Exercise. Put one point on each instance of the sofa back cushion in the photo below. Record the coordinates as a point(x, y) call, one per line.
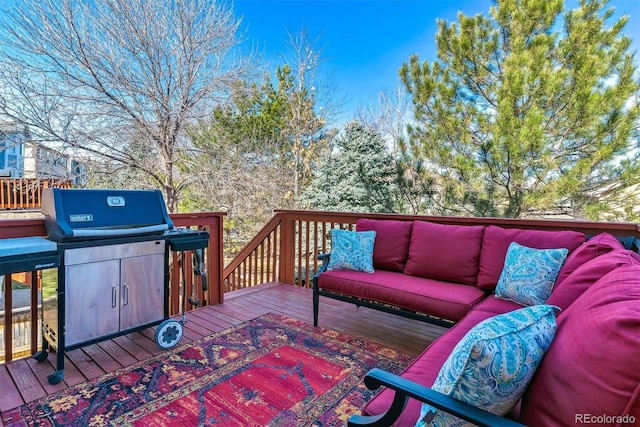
point(592, 248)
point(565, 293)
point(496, 241)
point(593, 365)
point(445, 252)
point(391, 247)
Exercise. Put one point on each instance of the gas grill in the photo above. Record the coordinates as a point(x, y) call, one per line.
point(113, 277)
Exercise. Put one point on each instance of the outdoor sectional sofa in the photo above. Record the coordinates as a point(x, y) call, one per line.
point(448, 274)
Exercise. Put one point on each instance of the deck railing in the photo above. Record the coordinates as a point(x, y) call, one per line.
point(26, 193)
point(287, 248)
point(18, 337)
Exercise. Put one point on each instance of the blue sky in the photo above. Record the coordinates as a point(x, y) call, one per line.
point(366, 41)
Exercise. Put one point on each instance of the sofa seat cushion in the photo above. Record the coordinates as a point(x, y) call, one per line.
point(594, 247)
point(589, 273)
point(450, 253)
point(391, 247)
point(593, 366)
point(497, 305)
point(425, 368)
point(440, 299)
point(496, 241)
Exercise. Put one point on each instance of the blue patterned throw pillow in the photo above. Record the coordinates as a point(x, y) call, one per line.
point(351, 250)
point(529, 274)
point(493, 363)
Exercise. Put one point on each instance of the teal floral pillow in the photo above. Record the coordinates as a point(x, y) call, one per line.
point(494, 363)
point(351, 250)
point(529, 274)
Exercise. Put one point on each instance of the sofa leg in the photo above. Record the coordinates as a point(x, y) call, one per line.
point(316, 303)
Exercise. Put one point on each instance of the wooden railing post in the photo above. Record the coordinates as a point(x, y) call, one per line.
point(212, 223)
point(287, 249)
point(216, 259)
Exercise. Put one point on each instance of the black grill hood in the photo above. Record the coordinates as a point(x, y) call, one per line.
point(82, 214)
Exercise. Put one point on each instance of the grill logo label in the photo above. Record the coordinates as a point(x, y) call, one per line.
point(81, 218)
point(43, 266)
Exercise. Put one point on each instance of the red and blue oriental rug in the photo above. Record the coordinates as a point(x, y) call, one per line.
point(268, 371)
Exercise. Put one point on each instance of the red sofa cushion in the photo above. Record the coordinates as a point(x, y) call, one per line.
point(496, 240)
point(497, 305)
point(445, 252)
point(391, 247)
point(425, 368)
point(593, 365)
point(565, 293)
point(592, 248)
point(441, 299)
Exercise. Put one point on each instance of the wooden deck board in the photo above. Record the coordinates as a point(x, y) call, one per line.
point(132, 348)
point(9, 394)
point(118, 353)
point(26, 380)
point(87, 366)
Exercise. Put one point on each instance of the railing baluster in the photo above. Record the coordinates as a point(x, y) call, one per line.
point(298, 264)
point(249, 270)
point(254, 270)
point(264, 266)
point(307, 254)
point(276, 253)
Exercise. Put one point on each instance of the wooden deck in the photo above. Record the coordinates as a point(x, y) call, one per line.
point(26, 380)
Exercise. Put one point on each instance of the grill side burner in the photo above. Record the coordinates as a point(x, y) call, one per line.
point(27, 254)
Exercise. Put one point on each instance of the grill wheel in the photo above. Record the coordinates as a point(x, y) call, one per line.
point(168, 333)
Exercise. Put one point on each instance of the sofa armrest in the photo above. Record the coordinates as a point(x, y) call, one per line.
point(404, 389)
point(325, 262)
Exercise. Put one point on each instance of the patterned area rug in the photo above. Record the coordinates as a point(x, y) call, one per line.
point(268, 371)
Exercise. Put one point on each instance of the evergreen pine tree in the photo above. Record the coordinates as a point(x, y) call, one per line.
point(526, 109)
point(359, 175)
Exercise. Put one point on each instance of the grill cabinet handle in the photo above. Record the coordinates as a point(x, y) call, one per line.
point(125, 296)
point(114, 296)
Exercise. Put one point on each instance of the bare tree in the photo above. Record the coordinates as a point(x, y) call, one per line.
point(311, 105)
point(389, 117)
point(117, 78)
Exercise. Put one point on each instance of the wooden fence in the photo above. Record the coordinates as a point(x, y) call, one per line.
point(285, 250)
point(26, 193)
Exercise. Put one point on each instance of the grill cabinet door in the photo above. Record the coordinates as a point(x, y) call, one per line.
point(142, 290)
point(112, 288)
point(91, 300)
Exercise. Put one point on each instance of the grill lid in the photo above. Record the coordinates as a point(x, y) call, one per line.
point(81, 214)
